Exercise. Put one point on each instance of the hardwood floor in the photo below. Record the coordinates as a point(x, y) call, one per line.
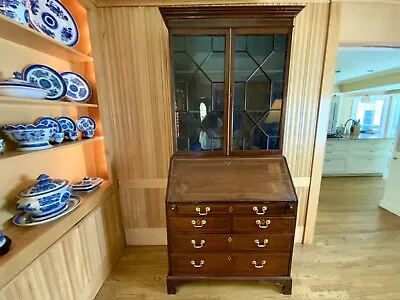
point(356, 255)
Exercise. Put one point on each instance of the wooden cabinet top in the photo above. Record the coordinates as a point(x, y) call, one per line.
point(233, 179)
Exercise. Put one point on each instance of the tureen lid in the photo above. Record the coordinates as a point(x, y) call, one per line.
point(44, 185)
point(18, 81)
point(88, 182)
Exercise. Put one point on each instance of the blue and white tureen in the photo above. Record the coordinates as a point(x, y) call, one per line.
point(46, 198)
point(16, 87)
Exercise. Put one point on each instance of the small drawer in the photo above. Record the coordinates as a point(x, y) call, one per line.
point(263, 224)
point(200, 210)
point(246, 264)
point(201, 264)
point(199, 242)
point(257, 242)
point(199, 224)
point(259, 209)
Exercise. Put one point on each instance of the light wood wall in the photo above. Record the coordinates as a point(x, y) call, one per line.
point(76, 265)
point(135, 43)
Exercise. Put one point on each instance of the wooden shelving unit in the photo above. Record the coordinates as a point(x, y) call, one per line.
point(4, 100)
point(25, 36)
point(63, 145)
point(30, 242)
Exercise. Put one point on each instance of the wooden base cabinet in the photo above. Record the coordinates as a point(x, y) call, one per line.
point(77, 264)
point(225, 223)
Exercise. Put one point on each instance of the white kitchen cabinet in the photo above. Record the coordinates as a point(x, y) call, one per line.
point(357, 157)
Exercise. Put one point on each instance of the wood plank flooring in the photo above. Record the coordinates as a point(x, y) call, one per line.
point(356, 255)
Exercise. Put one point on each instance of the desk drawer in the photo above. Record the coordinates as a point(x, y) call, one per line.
point(262, 242)
point(263, 224)
point(201, 264)
point(211, 209)
point(246, 264)
point(200, 224)
point(192, 242)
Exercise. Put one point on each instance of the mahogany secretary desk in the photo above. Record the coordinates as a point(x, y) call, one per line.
point(231, 205)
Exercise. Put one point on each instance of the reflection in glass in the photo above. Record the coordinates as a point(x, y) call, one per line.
point(259, 66)
point(199, 76)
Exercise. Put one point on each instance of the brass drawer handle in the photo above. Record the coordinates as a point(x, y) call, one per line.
point(261, 245)
point(264, 210)
point(199, 265)
point(263, 224)
point(198, 223)
point(202, 242)
point(259, 266)
point(198, 209)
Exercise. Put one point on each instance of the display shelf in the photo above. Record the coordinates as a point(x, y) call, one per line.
point(25, 36)
point(29, 242)
point(41, 102)
point(66, 144)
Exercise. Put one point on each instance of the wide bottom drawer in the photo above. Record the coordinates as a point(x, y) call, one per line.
point(230, 264)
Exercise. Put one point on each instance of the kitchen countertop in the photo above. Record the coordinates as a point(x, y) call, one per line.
point(362, 136)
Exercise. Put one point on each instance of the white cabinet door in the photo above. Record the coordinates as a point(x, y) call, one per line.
point(334, 166)
point(360, 165)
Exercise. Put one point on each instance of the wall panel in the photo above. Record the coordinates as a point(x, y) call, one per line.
point(135, 45)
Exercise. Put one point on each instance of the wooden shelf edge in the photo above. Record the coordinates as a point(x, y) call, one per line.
point(23, 35)
point(14, 154)
point(30, 242)
point(41, 102)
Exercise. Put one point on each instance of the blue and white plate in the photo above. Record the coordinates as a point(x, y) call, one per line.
point(53, 19)
point(46, 78)
point(16, 10)
point(67, 124)
point(49, 121)
point(27, 220)
point(78, 88)
point(85, 123)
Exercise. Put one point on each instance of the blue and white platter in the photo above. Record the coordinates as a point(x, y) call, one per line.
point(53, 19)
point(78, 88)
point(49, 121)
point(16, 10)
point(46, 78)
point(26, 219)
point(85, 123)
point(67, 124)
point(87, 184)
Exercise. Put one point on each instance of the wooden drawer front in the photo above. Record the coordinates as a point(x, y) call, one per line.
point(199, 210)
point(201, 264)
point(226, 209)
point(263, 224)
point(281, 242)
point(198, 224)
point(199, 242)
point(246, 264)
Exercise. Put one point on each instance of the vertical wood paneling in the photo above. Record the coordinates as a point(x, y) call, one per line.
point(75, 266)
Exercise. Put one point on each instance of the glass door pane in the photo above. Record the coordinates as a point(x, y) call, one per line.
point(199, 77)
point(258, 82)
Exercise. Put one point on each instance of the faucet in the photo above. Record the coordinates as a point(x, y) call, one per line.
point(345, 124)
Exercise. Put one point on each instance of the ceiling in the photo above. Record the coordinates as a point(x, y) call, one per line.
point(361, 62)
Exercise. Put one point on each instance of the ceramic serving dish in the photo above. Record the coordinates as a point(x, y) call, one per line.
point(2, 146)
point(46, 198)
point(29, 137)
point(58, 135)
point(87, 184)
point(52, 18)
point(68, 126)
point(5, 244)
point(16, 87)
point(78, 88)
point(16, 10)
point(27, 220)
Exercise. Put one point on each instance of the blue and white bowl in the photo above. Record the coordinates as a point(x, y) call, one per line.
point(2, 146)
point(88, 134)
point(29, 137)
point(16, 10)
point(57, 138)
point(46, 198)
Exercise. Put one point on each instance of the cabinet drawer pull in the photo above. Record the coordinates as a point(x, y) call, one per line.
point(259, 266)
point(202, 242)
point(261, 245)
point(264, 209)
point(199, 265)
point(263, 224)
point(198, 223)
point(207, 210)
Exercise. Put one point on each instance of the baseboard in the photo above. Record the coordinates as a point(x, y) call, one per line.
point(390, 207)
point(158, 236)
point(146, 236)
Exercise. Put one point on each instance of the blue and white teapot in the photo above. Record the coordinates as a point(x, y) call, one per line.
point(46, 198)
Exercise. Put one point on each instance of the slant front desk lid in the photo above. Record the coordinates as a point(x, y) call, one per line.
point(237, 179)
